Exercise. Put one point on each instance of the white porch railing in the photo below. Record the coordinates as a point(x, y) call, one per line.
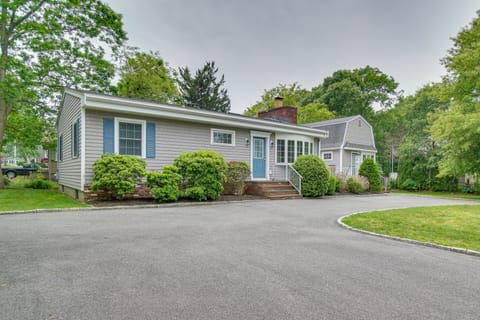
point(294, 178)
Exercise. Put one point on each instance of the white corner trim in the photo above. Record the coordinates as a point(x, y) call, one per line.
point(82, 147)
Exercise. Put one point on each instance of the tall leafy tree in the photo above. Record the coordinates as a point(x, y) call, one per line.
point(457, 128)
point(50, 44)
point(203, 90)
point(292, 95)
point(146, 76)
point(314, 112)
point(358, 91)
point(419, 153)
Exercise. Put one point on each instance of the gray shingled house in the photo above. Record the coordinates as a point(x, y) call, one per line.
point(350, 141)
point(90, 124)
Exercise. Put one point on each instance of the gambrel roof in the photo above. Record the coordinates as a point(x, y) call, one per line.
point(337, 134)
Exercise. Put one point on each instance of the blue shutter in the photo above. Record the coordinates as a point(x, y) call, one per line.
point(150, 140)
point(60, 147)
point(108, 135)
point(72, 136)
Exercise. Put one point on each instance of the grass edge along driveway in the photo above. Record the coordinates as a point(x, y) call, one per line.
point(455, 226)
point(30, 199)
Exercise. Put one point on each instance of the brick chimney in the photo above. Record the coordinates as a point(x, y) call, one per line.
point(281, 113)
point(278, 102)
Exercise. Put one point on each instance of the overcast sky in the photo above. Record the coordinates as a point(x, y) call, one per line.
point(258, 44)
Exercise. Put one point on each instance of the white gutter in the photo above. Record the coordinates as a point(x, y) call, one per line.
point(114, 104)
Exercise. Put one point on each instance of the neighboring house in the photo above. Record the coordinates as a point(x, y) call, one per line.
point(350, 141)
point(91, 124)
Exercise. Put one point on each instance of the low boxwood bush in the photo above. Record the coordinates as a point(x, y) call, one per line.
point(355, 185)
point(332, 185)
point(6, 181)
point(203, 174)
point(117, 173)
point(370, 170)
point(165, 186)
point(40, 184)
point(314, 174)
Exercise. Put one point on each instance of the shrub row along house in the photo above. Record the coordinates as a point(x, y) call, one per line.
point(91, 124)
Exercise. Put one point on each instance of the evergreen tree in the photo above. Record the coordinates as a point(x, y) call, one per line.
point(203, 90)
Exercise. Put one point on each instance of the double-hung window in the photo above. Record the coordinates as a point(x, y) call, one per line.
point(288, 150)
point(130, 138)
point(280, 151)
point(223, 137)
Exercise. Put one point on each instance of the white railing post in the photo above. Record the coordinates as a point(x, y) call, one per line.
point(294, 178)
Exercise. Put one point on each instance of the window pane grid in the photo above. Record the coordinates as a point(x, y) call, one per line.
point(291, 151)
point(280, 151)
point(299, 148)
point(130, 139)
point(222, 137)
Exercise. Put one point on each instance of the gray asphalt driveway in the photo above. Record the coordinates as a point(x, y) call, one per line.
point(250, 260)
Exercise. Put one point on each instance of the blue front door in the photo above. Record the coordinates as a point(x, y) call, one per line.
point(259, 157)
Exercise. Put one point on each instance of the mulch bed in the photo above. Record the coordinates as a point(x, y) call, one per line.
point(141, 202)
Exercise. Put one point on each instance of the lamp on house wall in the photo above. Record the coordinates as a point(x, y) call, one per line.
point(247, 141)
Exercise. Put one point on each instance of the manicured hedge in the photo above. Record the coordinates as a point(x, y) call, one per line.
point(314, 174)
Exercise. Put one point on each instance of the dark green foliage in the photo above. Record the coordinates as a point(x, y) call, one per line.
point(117, 173)
point(338, 183)
point(40, 184)
point(410, 185)
point(370, 170)
point(203, 91)
point(6, 181)
point(236, 174)
point(446, 183)
point(354, 185)
point(314, 174)
point(203, 174)
point(164, 186)
point(332, 185)
point(393, 184)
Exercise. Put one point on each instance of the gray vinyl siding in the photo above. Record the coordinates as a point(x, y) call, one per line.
point(172, 138)
point(359, 134)
point(69, 170)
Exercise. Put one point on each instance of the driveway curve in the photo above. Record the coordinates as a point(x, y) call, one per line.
point(248, 260)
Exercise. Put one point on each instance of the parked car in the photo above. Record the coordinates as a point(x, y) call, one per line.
point(25, 170)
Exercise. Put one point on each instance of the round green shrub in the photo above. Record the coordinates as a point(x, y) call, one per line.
point(165, 186)
point(203, 174)
point(314, 174)
point(355, 185)
point(332, 185)
point(370, 170)
point(117, 173)
point(6, 181)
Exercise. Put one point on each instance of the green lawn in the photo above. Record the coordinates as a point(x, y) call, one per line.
point(456, 226)
point(29, 199)
point(453, 195)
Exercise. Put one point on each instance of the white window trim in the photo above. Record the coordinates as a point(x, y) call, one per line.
point(284, 151)
point(212, 130)
point(144, 134)
point(295, 138)
point(327, 152)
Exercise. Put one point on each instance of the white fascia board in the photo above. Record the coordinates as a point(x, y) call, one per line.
point(112, 104)
point(363, 150)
